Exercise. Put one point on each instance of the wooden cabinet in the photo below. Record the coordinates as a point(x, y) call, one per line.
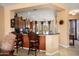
point(42, 45)
point(20, 22)
point(42, 41)
point(25, 41)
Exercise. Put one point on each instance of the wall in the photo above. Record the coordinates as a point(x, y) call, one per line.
point(73, 17)
point(63, 29)
point(1, 21)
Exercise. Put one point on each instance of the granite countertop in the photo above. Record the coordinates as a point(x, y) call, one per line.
point(44, 34)
point(48, 34)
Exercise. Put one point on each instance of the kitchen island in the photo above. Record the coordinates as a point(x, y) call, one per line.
point(48, 43)
point(42, 41)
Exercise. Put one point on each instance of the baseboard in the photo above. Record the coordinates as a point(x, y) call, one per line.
point(28, 48)
point(25, 48)
point(43, 50)
point(65, 46)
point(50, 54)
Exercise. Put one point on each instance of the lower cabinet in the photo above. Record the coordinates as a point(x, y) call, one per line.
point(52, 44)
point(25, 41)
point(42, 41)
point(42, 45)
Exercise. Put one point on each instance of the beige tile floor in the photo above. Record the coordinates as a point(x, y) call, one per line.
point(71, 51)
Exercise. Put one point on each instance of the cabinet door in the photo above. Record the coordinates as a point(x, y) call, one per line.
point(25, 41)
point(42, 41)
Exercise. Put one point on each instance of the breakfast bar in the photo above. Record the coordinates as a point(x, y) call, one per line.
point(42, 41)
point(48, 43)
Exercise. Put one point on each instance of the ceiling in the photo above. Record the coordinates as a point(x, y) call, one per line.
point(72, 6)
point(46, 6)
point(69, 5)
point(7, 4)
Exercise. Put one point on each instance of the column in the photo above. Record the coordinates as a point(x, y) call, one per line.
point(35, 26)
point(42, 26)
point(49, 25)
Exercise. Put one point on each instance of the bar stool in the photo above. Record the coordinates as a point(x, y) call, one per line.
point(19, 41)
point(33, 42)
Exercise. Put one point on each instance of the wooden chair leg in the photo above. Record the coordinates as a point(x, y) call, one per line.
point(28, 51)
point(17, 47)
point(11, 53)
point(35, 53)
point(17, 50)
point(38, 46)
point(32, 46)
point(22, 44)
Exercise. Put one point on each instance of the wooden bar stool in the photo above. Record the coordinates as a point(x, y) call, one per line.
point(19, 41)
point(33, 42)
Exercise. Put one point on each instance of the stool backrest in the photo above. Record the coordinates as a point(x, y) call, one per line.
point(32, 36)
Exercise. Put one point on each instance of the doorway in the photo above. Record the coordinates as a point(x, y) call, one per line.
point(73, 31)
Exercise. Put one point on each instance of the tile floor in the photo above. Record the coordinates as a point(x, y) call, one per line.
point(71, 51)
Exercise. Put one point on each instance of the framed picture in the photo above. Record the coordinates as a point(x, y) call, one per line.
point(12, 23)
